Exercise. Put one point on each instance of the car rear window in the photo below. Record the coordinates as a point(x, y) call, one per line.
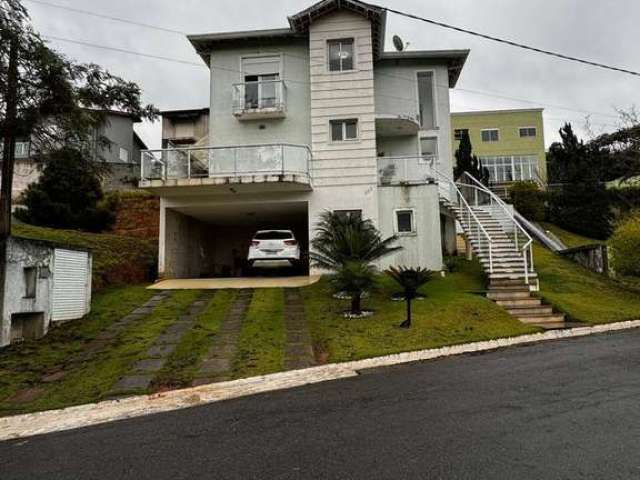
point(273, 235)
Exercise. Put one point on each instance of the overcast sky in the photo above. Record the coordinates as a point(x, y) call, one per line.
point(601, 31)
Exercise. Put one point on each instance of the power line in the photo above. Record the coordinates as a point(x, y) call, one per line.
point(179, 32)
point(510, 42)
point(107, 17)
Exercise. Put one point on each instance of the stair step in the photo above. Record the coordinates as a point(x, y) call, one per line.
point(506, 282)
point(530, 311)
point(543, 319)
point(498, 276)
point(520, 303)
point(508, 295)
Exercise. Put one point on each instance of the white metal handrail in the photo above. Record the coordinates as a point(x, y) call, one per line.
point(525, 248)
point(467, 213)
point(268, 94)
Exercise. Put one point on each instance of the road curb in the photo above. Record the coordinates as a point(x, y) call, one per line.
point(22, 426)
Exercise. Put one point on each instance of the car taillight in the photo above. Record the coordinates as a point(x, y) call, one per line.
point(255, 243)
point(291, 243)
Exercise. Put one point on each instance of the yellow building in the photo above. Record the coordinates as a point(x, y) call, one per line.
point(510, 143)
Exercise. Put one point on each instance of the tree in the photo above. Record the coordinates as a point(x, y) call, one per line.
point(50, 100)
point(67, 194)
point(578, 200)
point(347, 245)
point(467, 162)
point(410, 279)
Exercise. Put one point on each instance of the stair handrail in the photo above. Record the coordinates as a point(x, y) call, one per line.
point(527, 247)
point(469, 212)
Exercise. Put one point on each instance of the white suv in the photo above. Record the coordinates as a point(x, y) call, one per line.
point(273, 248)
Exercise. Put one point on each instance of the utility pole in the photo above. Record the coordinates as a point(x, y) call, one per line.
point(8, 159)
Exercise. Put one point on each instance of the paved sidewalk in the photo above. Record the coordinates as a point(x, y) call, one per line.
point(298, 351)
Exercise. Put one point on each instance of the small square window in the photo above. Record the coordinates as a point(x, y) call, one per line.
point(528, 132)
point(340, 55)
point(30, 279)
point(342, 130)
point(404, 221)
point(459, 133)
point(124, 155)
point(492, 135)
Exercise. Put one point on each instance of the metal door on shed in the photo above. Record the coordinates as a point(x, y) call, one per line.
point(71, 284)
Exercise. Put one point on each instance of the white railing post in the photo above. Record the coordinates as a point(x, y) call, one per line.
point(526, 268)
point(189, 164)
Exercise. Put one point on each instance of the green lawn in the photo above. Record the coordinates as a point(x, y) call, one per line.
point(22, 366)
point(116, 259)
point(583, 295)
point(450, 314)
point(262, 339)
point(182, 365)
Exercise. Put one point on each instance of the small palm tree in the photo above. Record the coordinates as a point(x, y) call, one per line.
point(348, 245)
point(410, 279)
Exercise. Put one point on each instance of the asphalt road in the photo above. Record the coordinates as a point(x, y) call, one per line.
point(559, 410)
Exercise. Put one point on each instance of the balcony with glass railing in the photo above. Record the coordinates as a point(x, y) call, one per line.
point(284, 164)
point(260, 100)
point(405, 171)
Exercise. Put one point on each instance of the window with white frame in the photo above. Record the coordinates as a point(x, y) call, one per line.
point(22, 149)
point(511, 168)
point(426, 100)
point(340, 53)
point(526, 132)
point(405, 221)
point(490, 135)
point(124, 155)
point(344, 130)
point(261, 81)
point(458, 133)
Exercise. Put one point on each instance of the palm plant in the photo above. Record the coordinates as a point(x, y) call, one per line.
point(410, 279)
point(348, 245)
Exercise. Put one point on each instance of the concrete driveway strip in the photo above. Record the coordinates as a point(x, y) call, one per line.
point(555, 410)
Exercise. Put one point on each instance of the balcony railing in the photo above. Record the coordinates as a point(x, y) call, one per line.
point(265, 99)
point(406, 170)
point(225, 162)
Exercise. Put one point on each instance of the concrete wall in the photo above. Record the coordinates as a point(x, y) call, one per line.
point(119, 130)
point(23, 254)
point(424, 248)
point(184, 246)
point(178, 127)
point(225, 129)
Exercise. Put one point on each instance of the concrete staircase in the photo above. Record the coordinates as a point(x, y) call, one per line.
point(508, 285)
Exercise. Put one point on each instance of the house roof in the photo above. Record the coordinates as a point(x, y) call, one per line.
point(186, 113)
point(301, 21)
point(455, 59)
point(497, 112)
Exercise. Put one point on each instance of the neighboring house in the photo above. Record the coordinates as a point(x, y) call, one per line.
point(185, 128)
point(123, 155)
point(45, 284)
point(310, 118)
point(510, 143)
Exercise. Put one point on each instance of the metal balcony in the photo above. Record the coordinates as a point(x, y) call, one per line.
point(284, 164)
point(259, 100)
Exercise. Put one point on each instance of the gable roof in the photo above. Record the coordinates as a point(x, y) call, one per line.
point(301, 21)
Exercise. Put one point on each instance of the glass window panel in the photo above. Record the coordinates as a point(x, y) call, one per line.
point(346, 55)
point(425, 97)
point(340, 55)
point(336, 131)
point(405, 221)
point(251, 92)
point(351, 129)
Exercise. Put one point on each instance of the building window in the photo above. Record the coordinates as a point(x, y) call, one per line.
point(528, 132)
point(490, 135)
point(30, 278)
point(511, 168)
point(459, 132)
point(429, 148)
point(345, 214)
point(261, 91)
point(340, 55)
point(404, 221)
point(342, 130)
point(426, 100)
point(22, 149)
point(124, 155)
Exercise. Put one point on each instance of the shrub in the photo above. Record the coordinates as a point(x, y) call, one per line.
point(529, 200)
point(583, 209)
point(625, 246)
point(67, 194)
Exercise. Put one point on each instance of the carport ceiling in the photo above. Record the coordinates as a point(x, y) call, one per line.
point(280, 214)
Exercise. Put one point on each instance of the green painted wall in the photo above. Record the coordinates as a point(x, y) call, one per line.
point(509, 123)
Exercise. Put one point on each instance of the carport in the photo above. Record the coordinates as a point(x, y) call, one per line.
point(212, 240)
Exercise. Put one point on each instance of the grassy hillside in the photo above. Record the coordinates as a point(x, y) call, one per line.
point(116, 259)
